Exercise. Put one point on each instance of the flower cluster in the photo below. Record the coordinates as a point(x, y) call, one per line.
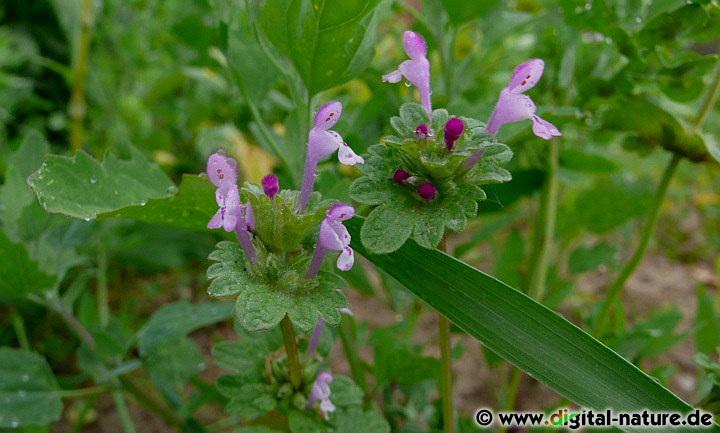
point(278, 267)
point(428, 177)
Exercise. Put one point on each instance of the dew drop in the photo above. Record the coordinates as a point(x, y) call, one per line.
point(638, 20)
point(14, 423)
point(588, 6)
point(317, 173)
point(431, 132)
point(25, 377)
point(93, 180)
point(86, 219)
point(143, 203)
point(21, 394)
point(407, 84)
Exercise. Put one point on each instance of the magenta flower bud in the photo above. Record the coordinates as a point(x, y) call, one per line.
point(422, 131)
point(427, 191)
point(400, 176)
point(453, 129)
point(270, 185)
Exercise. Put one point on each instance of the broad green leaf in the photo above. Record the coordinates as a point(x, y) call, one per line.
point(465, 10)
point(395, 361)
point(584, 259)
point(191, 207)
point(344, 392)
point(171, 363)
point(535, 339)
point(650, 337)
point(28, 390)
point(178, 319)
point(607, 206)
point(19, 275)
point(247, 400)
point(303, 422)
point(81, 187)
point(328, 42)
point(357, 420)
point(581, 160)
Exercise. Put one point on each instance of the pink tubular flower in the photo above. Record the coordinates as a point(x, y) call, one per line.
point(321, 391)
point(333, 236)
point(513, 105)
point(321, 143)
point(416, 70)
point(232, 215)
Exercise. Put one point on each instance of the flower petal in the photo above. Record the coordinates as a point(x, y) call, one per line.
point(221, 170)
point(414, 44)
point(249, 217)
point(327, 406)
point(544, 129)
point(510, 107)
point(526, 75)
point(417, 73)
point(392, 77)
point(346, 259)
point(327, 116)
point(340, 212)
point(216, 221)
point(322, 143)
point(347, 156)
point(328, 238)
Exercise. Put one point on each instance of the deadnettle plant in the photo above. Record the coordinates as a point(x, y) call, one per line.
point(429, 176)
point(274, 270)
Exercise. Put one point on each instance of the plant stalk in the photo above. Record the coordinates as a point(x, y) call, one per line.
point(102, 286)
point(615, 289)
point(544, 239)
point(292, 352)
point(20, 333)
point(83, 392)
point(122, 411)
point(707, 104)
point(347, 337)
point(446, 386)
point(77, 107)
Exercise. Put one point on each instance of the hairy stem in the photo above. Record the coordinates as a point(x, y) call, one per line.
point(102, 286)
point(446, 387)
point(77, 107)
point(347, 337)
point(615, 289)
point(292, 352)
point(544, 241)
point(307, 182)
point(19, 327)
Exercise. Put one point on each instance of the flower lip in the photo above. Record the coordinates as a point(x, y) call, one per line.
point(427, 191)
point(327, 116)
point(221, 170)
point(400, 176)
point(526, 75)
point(414, 44)
point(270, 185)
point(340, 212)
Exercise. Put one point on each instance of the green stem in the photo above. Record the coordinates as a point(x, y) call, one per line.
point(347, 337)
point(146, 399)
point(122, 412)
point(511, 397)
point(87, 406)
point(20, 333)
point(102, 286)
point(83, 392)
point(77, 107)
point(707, 103)
point(615, 289)
point(446, 387)
point(292, 352)
point(446, 391)
point(544, 239)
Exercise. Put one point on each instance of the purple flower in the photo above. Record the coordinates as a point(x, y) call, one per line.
point(270, 185)
point(453, 129)
point(513, 105)
point(416, 70)
point(333, 236)
point(222, 172)
point(427, 191)
point(232, 215)
point(400, 176)
point(422, 131)
point(321, 143)
point(321, 391)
